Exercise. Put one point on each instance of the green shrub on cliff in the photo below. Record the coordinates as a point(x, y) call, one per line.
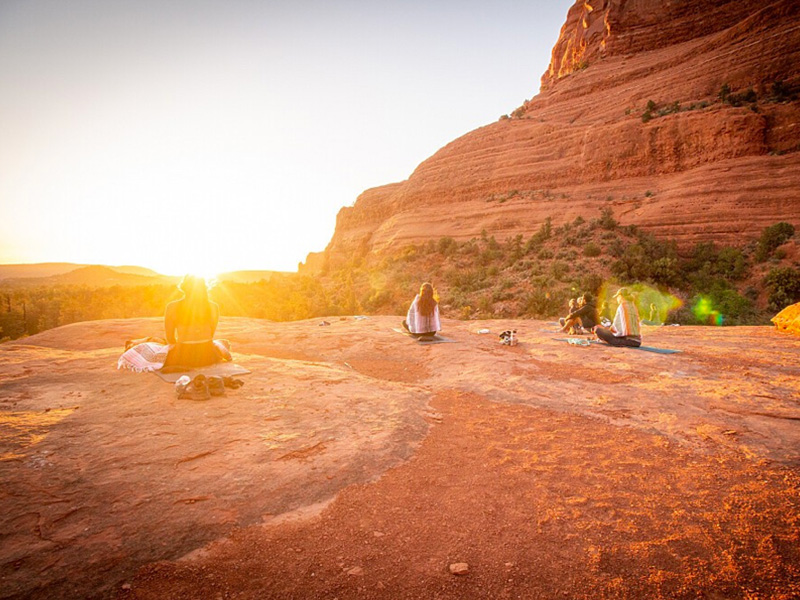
point(591, 249)
point(607, 220)
point(784, 287)
point(772, 237)
point(542, 235)
point(781, 92)
point(447, 246)
point(707, 261)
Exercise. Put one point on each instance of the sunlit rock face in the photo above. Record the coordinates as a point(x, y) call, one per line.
point(602, 28)
point(682, 117)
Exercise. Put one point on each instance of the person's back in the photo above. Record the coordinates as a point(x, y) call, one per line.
point(626, 320)
point(423, 314)
point(583, 316)
point(588, 315)
point(190, 324)
point(654, 319)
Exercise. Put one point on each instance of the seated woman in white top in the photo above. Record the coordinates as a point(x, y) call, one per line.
point(422, 319)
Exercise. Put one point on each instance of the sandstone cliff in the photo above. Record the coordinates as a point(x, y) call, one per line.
point(681, 116)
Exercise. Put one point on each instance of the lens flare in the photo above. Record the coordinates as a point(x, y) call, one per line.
point(705, 312)
point(654, 305)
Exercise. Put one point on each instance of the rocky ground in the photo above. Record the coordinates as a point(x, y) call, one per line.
point(355, 463)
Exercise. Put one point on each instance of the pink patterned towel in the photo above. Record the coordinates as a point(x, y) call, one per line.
point(150, 356)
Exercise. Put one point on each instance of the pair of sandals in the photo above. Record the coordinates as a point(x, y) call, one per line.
point(202, 387)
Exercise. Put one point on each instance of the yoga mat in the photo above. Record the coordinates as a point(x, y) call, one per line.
point(645, 348)
point(437, 339)
point(570, 335)
point(225, 369)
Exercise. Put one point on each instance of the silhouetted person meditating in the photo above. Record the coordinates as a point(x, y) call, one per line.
point(190, 324)
point(654, 319)
point(625, 330)
point(422, 320)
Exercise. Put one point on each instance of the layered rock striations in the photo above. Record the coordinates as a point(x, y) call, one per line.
point(683, 117)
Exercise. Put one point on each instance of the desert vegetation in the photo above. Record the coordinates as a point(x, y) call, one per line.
point(478, 278)
point(534, 277)
point(777, 92)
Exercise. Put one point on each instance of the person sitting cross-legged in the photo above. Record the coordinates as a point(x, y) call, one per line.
point(422, 320)
point(190, 324)
point(625, 330)
point(583, 316)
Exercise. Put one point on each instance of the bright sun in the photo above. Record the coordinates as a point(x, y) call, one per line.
point(200, 261)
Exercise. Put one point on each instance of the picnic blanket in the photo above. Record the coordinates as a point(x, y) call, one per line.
point(598, 343)
point(150, 356)
point(436, 339)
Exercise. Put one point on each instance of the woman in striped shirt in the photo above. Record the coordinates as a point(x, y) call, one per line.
point(624, 331)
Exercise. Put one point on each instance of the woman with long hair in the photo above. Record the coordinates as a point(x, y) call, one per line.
point(422, 319)
point(190, 324)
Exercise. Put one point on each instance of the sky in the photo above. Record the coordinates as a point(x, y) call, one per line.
point(215, 135)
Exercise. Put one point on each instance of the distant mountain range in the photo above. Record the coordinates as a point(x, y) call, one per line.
point(49, 274)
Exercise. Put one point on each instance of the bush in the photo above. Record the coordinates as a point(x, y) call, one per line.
point(486, 305)
point(720, 304)
point(559, 269)
point(708, 262)
point(447, 246)
point(591, 249)
point(732, 263)
point(565, 254)
point(784, 287)
point(665, 271)
point(589, 282)
point(468, 280)
point(470, 247)
point(569, 240)
point(772, 237)
point(607, 220)
point(541, 303)
point(724, 92)
point(538, 238)
point(781, 92)
point(616, 248)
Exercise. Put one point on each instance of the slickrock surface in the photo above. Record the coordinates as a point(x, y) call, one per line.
point(710, 171)
point(355, 463)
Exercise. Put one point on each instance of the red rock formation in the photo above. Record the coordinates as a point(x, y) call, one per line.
point(689, 167)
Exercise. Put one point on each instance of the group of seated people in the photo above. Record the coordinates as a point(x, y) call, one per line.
point(422, 320)
point(191, 322)
point(584, 317)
